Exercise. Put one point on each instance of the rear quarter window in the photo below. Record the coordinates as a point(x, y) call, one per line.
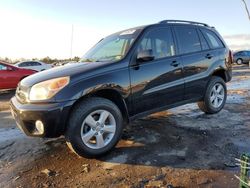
point(212, 39)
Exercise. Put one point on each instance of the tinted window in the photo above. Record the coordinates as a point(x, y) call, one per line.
point(212, 38)
point(188, 40)
point(160, 41)
point(239, 53)
point(34, 63)
point(246, 53)
point(29, 63)
point(204, 44)
point(22, 64)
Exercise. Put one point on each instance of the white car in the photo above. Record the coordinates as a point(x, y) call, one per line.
point(34, 65)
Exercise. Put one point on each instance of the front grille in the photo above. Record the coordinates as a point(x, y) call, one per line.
point(22, 93)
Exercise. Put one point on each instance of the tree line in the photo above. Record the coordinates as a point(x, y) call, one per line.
point(47, 60)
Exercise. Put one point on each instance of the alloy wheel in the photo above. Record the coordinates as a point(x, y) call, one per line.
point(217, 95)
point(98, 129)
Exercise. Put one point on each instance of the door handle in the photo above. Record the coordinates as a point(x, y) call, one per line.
point(174, 64)
point(209, 56)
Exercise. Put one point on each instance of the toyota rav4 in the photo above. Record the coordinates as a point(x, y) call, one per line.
point(127, 75)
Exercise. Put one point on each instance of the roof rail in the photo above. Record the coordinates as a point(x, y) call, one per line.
point(183, 21)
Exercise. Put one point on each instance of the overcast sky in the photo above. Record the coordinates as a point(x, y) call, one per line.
point(32, 28)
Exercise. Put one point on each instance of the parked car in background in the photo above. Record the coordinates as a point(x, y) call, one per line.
point(64, 63)
point(34, 65)
point(241, 57)
point(10, 75)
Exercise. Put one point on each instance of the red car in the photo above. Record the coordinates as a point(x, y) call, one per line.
point(10, 75)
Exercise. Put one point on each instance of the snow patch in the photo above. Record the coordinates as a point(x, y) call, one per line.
point(10, 134)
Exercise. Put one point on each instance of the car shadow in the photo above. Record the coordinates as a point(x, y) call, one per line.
point(158, 142)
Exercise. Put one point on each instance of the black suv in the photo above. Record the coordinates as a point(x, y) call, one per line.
point(125, 76)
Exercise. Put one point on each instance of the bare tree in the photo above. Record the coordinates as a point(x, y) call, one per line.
point(248, 14)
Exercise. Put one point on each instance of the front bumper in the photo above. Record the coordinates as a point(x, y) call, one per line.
point(53, 116)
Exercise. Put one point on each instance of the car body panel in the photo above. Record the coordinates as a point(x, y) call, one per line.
point(12, 76)
point(156, 84)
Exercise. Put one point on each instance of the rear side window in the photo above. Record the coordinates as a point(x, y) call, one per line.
point(188, 39)
point(212, 38)
point(22, 64)
point(34, 63)
point(246, 53)
point(239, 53)
point(29, 64)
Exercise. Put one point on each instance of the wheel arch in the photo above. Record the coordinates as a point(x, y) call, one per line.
point(110, 94)
point(220, 73)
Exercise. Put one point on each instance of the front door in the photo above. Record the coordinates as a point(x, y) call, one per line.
point(158, 82)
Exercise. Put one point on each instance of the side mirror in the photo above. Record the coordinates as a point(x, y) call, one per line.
point(145, 55)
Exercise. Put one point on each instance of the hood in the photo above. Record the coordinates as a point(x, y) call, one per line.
point(73, 71)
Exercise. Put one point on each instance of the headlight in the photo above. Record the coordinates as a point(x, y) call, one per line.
point(47, 89)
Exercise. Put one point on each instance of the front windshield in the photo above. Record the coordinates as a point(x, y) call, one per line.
point(112, 48)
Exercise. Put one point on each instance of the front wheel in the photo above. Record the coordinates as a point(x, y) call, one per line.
point(95, 127)
point(215, 96)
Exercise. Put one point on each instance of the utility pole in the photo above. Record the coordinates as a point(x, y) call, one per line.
point(248, 14)
point(71, 44)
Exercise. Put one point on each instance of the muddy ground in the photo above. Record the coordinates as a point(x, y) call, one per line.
point(181, 147)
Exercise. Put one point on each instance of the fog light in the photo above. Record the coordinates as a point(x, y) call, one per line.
point(39, 127)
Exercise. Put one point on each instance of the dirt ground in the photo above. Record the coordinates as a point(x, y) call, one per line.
point(181, 147)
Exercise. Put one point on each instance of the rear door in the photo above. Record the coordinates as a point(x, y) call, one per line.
point(159, 82)
point(196, 58)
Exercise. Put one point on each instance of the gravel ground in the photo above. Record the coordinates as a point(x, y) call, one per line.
point(181, 147)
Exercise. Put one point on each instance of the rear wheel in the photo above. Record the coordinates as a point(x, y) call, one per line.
point(95, 127)
point(239, 61)
point(215, 96)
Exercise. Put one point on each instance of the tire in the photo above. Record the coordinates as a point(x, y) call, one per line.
point(88, 133)
point(239, 61)
point(216, 91)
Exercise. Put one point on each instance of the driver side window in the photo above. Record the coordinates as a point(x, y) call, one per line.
point(160, 41)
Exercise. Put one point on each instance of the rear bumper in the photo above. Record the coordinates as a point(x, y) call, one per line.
point(52, 115)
